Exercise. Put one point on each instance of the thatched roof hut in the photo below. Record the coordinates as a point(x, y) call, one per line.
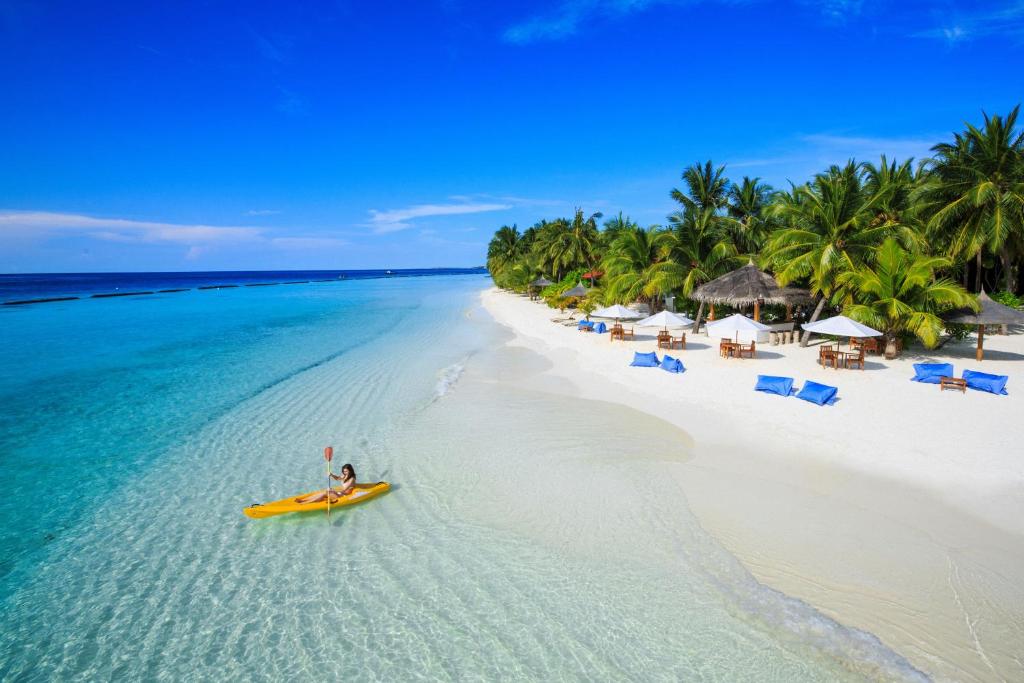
point(742, 287)
point(989, 312)
point(541, 282)
point(749, 285)
point(576, 292)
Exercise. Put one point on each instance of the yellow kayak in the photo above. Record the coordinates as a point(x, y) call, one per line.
point(361, 493)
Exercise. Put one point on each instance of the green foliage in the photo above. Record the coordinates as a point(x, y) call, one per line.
point(637, 267)
point(958, 215)
point(975, 193)
point(900, 293)
point(1008, 299)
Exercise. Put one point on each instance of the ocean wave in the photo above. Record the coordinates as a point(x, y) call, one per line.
point(449, 377)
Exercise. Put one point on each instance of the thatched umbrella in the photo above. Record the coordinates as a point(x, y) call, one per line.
point(989, 313)
point(539, 283)
point(577, 292)
point(745, 286)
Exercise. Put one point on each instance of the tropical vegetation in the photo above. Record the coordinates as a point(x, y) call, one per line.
point(893, 244)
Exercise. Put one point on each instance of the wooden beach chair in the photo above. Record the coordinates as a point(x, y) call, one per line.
point(855, 359)
point(827, 354)
point(748, 351)
point(627, 334)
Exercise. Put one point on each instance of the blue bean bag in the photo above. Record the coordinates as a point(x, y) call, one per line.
point(783, 386)
point(982, 381)
point(585, 324)
point(601, 328)
point(929, 373)
point(645, 360)
point(671, 364)
point(822, 394)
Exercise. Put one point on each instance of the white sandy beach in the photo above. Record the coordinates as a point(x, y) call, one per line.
point(897, 510)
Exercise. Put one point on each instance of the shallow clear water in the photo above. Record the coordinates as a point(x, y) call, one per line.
point(529, 535)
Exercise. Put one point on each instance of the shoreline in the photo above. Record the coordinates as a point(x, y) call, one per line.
point(879, 517)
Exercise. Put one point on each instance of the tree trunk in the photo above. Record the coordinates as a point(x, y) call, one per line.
point(700, 314)
point(814, 316)
point(977, 274)
point(1011, 280)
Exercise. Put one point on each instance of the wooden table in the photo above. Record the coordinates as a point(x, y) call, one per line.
point(953, 383)
point(728, 348)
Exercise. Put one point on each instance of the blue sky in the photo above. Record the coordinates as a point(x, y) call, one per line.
point(216, 135)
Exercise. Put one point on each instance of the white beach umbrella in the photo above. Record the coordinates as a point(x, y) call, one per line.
point(618, 312)
point(665, 320)
point(733, 325)
point(841, 326)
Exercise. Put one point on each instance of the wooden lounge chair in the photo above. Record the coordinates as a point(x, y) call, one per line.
point(681, 341)
point(627, 334)
point(742, 350)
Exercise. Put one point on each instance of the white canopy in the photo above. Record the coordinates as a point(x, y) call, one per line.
point(665, 319)
point(841, 326)
point(618, 312)
point(734, 325)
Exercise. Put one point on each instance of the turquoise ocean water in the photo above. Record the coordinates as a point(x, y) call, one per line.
point(134, 431)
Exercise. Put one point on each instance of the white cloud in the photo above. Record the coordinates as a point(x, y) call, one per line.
point(393, 220)
point(570, 16)
point(43, 223)
point(199, 240)
point(958, 26)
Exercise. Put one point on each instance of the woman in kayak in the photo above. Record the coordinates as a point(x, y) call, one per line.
point(348, 482)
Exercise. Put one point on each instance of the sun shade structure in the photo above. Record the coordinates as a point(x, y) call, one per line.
point(665, 319)
point(541, 282)
point(841, 326)
point(734, 325)
point(618, 312)
point(743, 286)
point(989, 313)
point(748, 285)
point(577, 292)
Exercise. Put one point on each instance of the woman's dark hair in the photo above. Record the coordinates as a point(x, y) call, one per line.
point(350, 469)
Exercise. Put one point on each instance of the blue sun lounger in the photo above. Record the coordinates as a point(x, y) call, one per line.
point(931, 373)
point(770, 384)
point(670, 364)
point(821, 394)
point(645, 360)
point(982, 381)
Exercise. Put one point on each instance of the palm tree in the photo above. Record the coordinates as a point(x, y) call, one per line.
point(706, 188)
point(613, 227)
point(829, 229)
point(899, 293)
point(976, 193)
point(636, 268)
point(748, 208)
point(896, 187)
point(564, 246)
point(700, 240)
point(700, 244)
point(504, 250)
